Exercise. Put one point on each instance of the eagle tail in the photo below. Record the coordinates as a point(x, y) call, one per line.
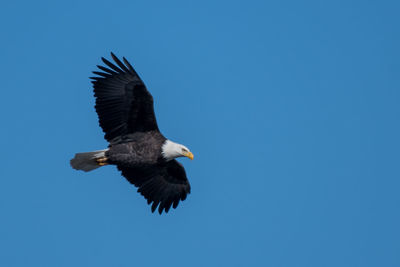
point(88, 161)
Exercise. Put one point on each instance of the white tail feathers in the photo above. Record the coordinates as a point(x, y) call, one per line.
point(87, 161)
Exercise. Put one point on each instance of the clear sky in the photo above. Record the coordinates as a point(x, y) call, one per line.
point(290, 107)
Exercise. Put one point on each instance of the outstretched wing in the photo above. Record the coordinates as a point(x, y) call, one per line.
point(164, 185)
point(123, 103)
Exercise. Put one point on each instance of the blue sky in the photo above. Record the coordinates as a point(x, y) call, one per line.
point(290, 107)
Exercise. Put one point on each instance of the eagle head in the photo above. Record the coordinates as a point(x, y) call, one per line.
point(171, 150)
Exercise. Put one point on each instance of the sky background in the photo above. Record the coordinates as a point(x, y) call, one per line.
point(290, 107)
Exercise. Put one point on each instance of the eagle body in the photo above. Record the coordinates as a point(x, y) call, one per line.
point(136, 146)
point(139, 150)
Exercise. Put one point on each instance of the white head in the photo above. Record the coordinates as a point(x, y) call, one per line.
point(171, 150)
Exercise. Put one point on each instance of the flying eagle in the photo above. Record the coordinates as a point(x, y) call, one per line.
point(143, 155)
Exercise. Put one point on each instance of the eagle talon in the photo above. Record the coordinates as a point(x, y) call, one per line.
point(102, 161)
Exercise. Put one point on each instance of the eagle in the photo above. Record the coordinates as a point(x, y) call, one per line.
point(136, 146)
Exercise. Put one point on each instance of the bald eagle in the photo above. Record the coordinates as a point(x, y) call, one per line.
point(136, 146)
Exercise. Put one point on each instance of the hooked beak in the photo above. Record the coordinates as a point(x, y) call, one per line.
point(189, 155)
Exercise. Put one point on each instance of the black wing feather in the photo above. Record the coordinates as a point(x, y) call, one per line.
point(119, 63)
point(111, 65)
point(106, 75)
point(106, 70)
point(163, 185)
point(129, 66)
point(123, 103)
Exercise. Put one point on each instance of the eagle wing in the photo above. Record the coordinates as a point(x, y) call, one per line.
point(164, 185)
point(123, 103)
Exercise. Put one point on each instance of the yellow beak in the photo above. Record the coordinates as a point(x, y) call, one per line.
point(189, 155)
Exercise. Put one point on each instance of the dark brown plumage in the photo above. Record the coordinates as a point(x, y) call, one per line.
point(126, 115)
